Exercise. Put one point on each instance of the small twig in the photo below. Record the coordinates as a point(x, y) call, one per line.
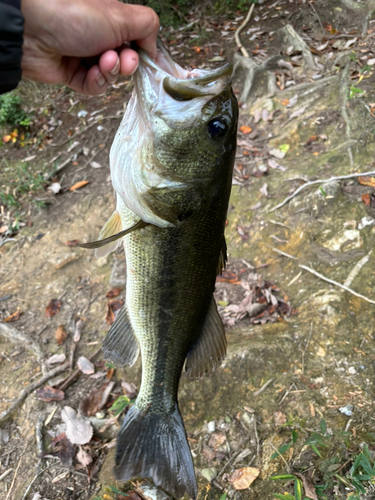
point(240, 28)
point(29, 389)
point(282, 458)
point(14, 478)
point(305, 349)
point(348, 424)
point(343, 109)
point(39, 439)
point(35, 478)
point(354, 272)
point(264, 386)
point(317, 15)
point(312, 271)
point(319, 181)
point(256, 439)
point(284, 254)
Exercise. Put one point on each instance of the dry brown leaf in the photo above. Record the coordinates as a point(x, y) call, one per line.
point(3, 229)
point(53, 308)
point(72, 243)
point(56, 358)
point(367, 181)
point(366, 198)
point(245, 129)
point(216, 440)
point(129, 389)
point(60, 335)
point(279, 418)
point(84, 457)
point(48, 393)
point(78, 185)
point(13, 317)
point(112, 308)
point(78, 330)
point(96, 400)
point(78, 430)
point(115, 292)
point(208, 452)
point(65, 450)
point(308, 487)
point(242, 478)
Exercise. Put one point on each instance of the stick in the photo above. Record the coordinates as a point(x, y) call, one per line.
point(353, 273)
point(282, 458)
point(66, 383)
point(14, 479)
point(35, 478)
point(320, 22)
point(305, 349)
point(264, 386)
point(29, 389)
point(336, 283)
point(319, 181)
point(284, 254)
point(238, 31)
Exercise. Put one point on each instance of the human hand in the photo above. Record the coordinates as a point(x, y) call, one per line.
point(58, 34)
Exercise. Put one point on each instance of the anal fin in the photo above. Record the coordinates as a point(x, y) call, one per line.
point(120, 344)
point(211, 346)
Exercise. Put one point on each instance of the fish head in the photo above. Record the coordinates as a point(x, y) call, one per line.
point(177, 141)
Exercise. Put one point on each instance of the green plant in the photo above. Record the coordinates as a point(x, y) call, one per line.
point(297, 488)
point(353, 91)
point(11, 112)
point(120, 404)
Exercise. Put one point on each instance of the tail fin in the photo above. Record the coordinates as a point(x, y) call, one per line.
point(156, 447)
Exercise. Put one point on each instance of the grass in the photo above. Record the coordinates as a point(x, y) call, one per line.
point(338, 465)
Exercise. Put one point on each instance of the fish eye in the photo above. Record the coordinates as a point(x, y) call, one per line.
point(216, 128)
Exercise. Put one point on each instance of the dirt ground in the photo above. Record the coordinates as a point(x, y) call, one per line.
point(295, 396)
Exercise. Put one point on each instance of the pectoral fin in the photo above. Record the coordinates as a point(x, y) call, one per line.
point(211, 347)
point(105, 241)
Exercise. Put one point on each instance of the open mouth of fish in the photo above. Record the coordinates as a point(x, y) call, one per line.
point(178, 83)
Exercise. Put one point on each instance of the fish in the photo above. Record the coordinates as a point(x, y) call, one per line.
point(171, 168)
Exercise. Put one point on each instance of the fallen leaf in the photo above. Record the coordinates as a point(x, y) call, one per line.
point(78, 430)
point(60, 335)
point(245, 129)
point(53, 308)
point(7, 138)
point(277, 153)
point(279, 418)
point(48, 393)
point(264, 190)
point(96, 400)
point(85, 365)
point(83, 457)
point(95, 164)
point(78, 185)
point(208, 452)
point(285, 102)
point(78, 330)
point(308, 487)
point(129, 389)
point(115, 292)
point(3, 229)
point(56, 358)
point(216, 440)
point(13, 317)
point(113, 308)
point(4, 437)
point(242, 478)
point(72, 243)
point(65, 450)
point(367, 181)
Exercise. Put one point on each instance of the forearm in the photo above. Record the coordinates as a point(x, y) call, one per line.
point(11, 39)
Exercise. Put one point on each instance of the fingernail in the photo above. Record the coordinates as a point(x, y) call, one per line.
point(100, 80)
point(116, 69)
point(134, 70)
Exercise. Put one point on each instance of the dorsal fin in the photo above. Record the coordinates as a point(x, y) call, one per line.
point(222, 257)
point(120, 344)
point(211, 346)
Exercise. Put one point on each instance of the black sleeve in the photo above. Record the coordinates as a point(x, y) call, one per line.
point(11, 38)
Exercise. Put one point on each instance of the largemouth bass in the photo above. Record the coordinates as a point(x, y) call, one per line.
point(171, 167)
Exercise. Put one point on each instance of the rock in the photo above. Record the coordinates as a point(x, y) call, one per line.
point(209, 473)
point(365, 221)
point(102, 261)
point(347, 410)
point(211, 426)
point(347, 239)
point(63, 260)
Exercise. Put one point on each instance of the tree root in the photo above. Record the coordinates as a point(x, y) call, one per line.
point(344, 112)
point(20, 339)
point(294, 43)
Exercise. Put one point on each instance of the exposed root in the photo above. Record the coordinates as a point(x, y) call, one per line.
point(294, 43)
point(11, 333)
point(256, 74)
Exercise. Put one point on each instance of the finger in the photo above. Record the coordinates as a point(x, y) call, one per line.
point(129, 60)
point(89, 82)
point(109, 65)
point(143, 28)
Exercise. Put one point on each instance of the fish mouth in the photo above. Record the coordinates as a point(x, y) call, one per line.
point(182, 84)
